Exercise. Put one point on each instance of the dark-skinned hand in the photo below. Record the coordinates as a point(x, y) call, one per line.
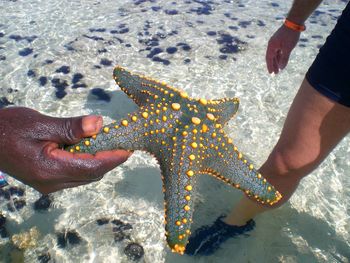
point(30, 150)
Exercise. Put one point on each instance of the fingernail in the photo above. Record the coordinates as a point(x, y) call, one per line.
point(92, 124)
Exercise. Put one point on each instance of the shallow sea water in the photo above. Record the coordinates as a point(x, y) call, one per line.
point(220, 53)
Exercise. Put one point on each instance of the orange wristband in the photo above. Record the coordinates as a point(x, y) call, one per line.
point(293, 26)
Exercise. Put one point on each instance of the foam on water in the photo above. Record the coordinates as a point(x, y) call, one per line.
point(220, 50)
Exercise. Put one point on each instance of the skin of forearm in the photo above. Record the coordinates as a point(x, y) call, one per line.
point(301, 10)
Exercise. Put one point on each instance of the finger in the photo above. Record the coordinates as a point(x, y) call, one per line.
point(71, 130)
point(270, 57)
point(284, 58)
point(275, 66)
point(83, 166)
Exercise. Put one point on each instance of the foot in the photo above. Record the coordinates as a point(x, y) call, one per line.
point(207, 239)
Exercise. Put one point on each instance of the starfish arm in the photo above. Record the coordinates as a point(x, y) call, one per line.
point(230, 166)
point(144, 90)
point(223, 109)
point(128, 134)
point(179, 174)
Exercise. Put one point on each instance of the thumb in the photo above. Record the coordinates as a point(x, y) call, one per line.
point(72, 130)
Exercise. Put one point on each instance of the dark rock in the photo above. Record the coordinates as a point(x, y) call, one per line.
point(63, 69)
point(3, 232)
point(2, 57)
point(42, 81)
point(97, 30)
point(48, 61)
point(119, 236)
point(102, 221)
point(73, 237)
point(43, 203)
point(134, 251)
point(154, 51)
point(25, 52)
point(105, 62)
point(171, 50)
point(101, 94)
point(171, 12)
point(70, 237)
point(14, 190)
point(19, 203)
point(2, 220)
point(211, 33)
point(61, 240)
point(79, 85)
point(77, 77)
point(44, 258)
point(60, 94)
point(3, 103)
point(31, 73)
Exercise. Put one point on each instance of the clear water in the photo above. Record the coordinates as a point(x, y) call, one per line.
point(313, 227)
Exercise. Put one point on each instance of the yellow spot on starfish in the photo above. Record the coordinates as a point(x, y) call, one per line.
point(178, 223)
point(71, 150)
point(192, 157)
point(203, 101)
point(204, 128)
point(259, 176)
point(106, 129)
point(145, 115)
point(251, 167)
point(164, 118)
point(190, 173)
point(188, 198)
point(77, 148)
point(188, 187)
point(94, 136)
point(213, 135)
point(194, 145)
point(134, 118)
point(184, 95)
point(187, 207)
point(210, 116)
point(125, 123)
point(87, 143)
point(175, 106)
point(184, 133)
point(196, 120)
point(269, 188)
point(184, 220)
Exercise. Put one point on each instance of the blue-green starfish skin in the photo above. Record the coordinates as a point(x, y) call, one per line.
point(185, 135)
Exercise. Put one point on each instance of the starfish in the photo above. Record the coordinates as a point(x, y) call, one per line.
point(186, 136)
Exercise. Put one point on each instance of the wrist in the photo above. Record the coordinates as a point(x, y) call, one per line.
point(295, 26)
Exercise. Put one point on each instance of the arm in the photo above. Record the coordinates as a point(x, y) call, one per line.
point(301, 10)
point(285, 39)
point(31, 152)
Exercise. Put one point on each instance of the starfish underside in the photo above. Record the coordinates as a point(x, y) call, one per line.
point(186, 137)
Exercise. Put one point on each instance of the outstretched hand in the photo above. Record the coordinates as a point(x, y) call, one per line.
point(279, 48)
point(31, 151)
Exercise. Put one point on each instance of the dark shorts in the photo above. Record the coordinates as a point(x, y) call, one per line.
point(330, 72)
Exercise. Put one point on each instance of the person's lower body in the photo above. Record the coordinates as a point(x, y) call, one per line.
point(314, 126)
point(318, 119)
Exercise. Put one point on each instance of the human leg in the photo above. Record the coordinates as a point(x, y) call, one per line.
point(313, 127)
